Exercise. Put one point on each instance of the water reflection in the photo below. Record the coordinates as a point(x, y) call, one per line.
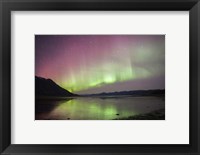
point(93, 108)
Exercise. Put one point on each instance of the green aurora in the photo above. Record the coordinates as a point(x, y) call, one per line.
point(86, 64)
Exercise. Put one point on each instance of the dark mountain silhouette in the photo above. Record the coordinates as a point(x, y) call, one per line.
point(47, 87)
point(155, 92)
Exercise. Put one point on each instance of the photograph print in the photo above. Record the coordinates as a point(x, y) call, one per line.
point(99, 77)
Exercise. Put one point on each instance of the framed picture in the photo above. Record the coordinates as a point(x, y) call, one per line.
point(100, 77)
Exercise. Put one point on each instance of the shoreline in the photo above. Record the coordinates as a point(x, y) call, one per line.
point(106, 96)
point(154, 115)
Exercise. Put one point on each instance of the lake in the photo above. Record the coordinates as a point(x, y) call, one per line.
point(96, 108)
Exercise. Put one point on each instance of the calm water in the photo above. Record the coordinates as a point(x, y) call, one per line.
point(96, 108)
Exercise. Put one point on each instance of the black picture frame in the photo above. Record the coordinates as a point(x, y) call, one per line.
point(6, 6)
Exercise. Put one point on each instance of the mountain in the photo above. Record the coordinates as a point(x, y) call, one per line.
point(155, 92)
point(47, 87)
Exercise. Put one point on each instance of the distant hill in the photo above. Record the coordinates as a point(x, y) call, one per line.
point(47, 87)
point(155, 92)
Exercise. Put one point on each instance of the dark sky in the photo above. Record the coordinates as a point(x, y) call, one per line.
point(101, 63)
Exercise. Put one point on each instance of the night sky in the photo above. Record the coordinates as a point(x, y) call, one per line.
point(86, 64)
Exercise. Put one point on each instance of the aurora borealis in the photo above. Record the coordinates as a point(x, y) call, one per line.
point(86, 64)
